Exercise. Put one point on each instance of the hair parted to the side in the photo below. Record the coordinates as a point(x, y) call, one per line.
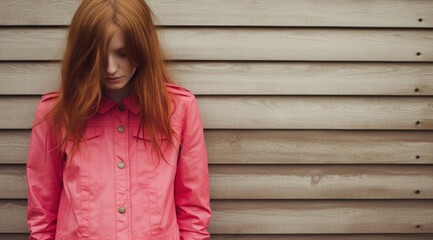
point(84, 61)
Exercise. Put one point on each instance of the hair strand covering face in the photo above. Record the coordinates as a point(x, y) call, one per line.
point(83, 67)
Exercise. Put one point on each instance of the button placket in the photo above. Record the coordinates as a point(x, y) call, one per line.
point(121, 172)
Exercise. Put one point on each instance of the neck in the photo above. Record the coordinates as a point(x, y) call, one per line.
point(117, 95)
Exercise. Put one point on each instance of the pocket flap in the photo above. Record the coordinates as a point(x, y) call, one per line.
point(138, 133)
point(89, 133)
point(92, 132)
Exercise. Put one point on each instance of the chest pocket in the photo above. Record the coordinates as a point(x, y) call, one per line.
point(146, 149)
point(86, 157)
point(89, 134)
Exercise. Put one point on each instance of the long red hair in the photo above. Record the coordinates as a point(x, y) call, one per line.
point(84, 61)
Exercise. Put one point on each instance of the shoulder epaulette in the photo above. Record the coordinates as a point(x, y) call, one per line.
point(50, 95)
point(175, 89)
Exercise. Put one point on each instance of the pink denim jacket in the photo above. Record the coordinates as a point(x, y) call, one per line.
point(115, 187)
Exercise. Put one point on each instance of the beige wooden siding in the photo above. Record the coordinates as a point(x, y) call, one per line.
point(258, 78)
point(318, 115)
point(341, 13)
point(246, 44)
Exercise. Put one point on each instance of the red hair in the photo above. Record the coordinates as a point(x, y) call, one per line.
point(84, 61)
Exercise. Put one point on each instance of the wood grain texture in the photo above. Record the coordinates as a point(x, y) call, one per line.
point(284, 147)
point(259, 44)
point(317, 78)
point(17, 113)
point(14, 236)
point(367, 13)
point(41, 12)
point(290, 216)
point(13, 181)
point(316, 113)
point(19, 78)
point(291, 112)
point(13, 217)
point(320, 217)
point(312, 44)
point(248, 78)
point(288, 182)
point(319, 147)
point(14, 146)
point(321, 182)
point(31, 43)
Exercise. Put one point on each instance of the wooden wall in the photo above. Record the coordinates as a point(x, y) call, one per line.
point(318, 114)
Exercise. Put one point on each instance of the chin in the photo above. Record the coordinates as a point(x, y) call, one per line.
point(116, 86)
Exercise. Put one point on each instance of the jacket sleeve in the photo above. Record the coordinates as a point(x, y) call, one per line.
point(192, 180)
point(44, 176)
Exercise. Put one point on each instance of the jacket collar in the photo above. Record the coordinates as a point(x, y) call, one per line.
point(131, 103)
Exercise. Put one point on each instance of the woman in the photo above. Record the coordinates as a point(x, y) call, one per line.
point(118, 152)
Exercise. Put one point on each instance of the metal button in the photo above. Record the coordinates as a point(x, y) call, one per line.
point(120, 165)
point(121, 108)
point(121, 128)
point(122, 210)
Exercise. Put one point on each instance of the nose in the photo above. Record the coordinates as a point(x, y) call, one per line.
point(111, 66)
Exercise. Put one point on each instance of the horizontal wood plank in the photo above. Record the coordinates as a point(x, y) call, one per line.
point(321, 182)
point(13, 181)
point(28, 78)
point(319, 147)
point(367, 13)
point(31, 43)
point(291, 78)
point(321, 217)
point(288, 182)
point(18, 113)
point(290, 216)
point(284, 147)
point(13, 217)
point(14, 146)
point(291, 112)
point(316, 113)
point(248, 78)
point(259, 44)
point(14, 236)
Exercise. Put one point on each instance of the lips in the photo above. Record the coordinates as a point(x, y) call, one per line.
point(113, 79)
